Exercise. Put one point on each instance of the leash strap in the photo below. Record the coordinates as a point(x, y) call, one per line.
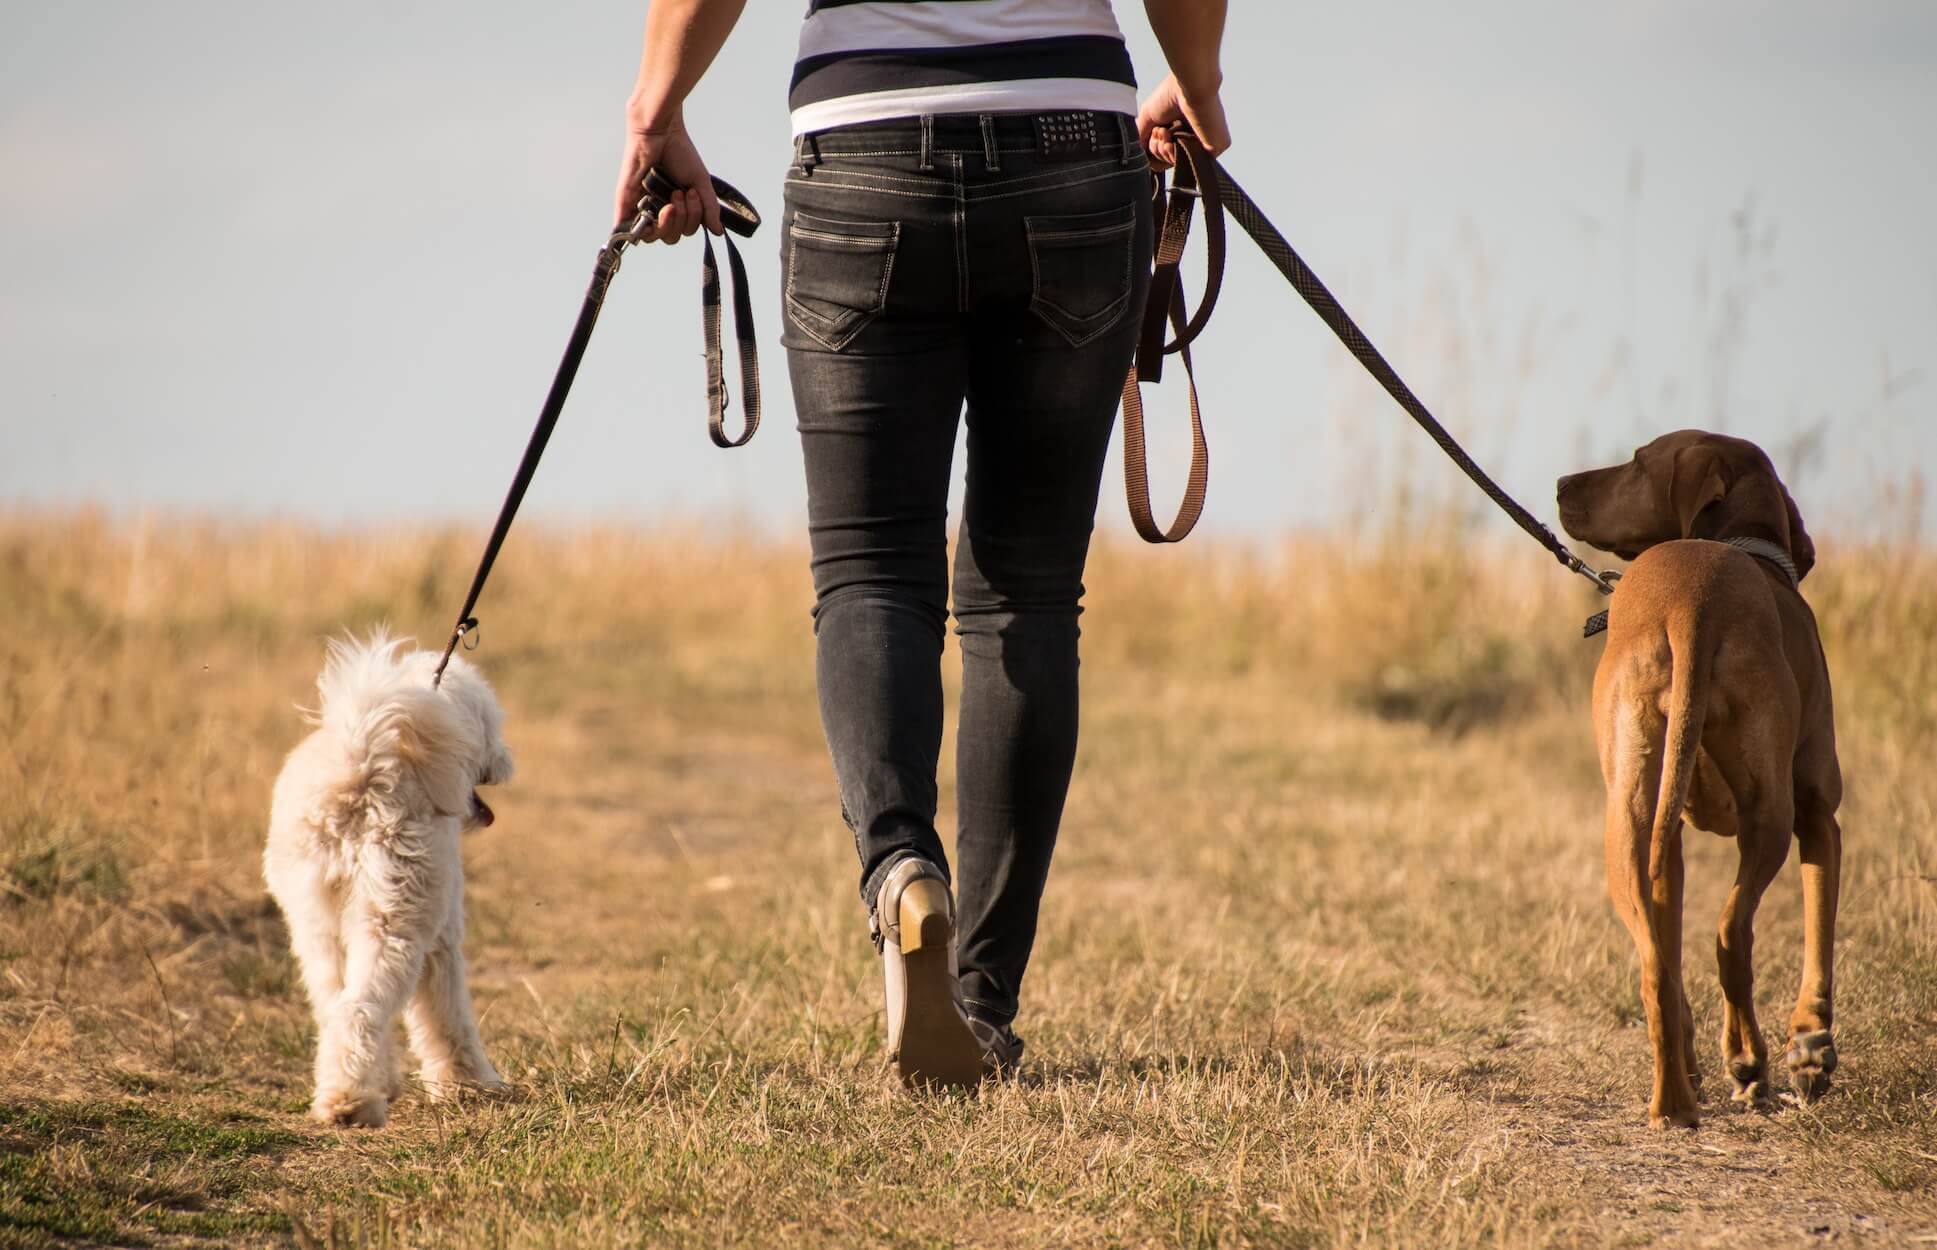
point(1221, 193)
point(739, 217)
point(1187, 187)
point(1136, 472)
point(1166, 305)
point(717, 399)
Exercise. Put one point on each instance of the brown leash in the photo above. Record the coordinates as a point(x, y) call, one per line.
point(1166, 304)
point(739, 217)
point(1199, 176)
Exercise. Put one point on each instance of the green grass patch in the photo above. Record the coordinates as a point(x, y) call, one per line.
point(129, 1175)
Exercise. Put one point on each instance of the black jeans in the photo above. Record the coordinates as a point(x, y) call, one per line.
point(1002, 262)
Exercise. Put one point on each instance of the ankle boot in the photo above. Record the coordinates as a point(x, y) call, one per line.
point(929, 1039)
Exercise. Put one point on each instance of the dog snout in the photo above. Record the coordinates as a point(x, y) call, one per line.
point(1572, 501)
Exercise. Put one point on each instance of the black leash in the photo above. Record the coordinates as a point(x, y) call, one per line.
point(739, 217)
point(1221, 193)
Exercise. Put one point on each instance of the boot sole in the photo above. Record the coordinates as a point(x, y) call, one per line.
point(937, 1047)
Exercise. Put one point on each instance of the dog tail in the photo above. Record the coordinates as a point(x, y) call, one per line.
point(1687, 711)
point(392, 724)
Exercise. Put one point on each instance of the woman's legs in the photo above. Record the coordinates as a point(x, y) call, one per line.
point(920, 271)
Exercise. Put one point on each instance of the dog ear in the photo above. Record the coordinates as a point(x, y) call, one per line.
point(1802, 549)
point(442, 745)
point(1697, 486)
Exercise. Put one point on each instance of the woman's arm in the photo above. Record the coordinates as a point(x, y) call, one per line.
point(682, 38)
point(1192, 35)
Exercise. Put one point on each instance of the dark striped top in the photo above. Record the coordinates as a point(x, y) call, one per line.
point(866, 60)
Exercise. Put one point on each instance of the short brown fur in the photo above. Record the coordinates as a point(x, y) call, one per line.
point(1712, 701)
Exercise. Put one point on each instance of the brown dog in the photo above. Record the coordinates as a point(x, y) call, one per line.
point(1712, 699)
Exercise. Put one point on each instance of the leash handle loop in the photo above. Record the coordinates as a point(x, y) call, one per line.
point(737, 213)
point(738, 216)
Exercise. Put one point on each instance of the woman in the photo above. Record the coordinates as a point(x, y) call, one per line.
point(967, 222)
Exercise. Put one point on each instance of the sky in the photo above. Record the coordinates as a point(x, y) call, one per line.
point(319, 261)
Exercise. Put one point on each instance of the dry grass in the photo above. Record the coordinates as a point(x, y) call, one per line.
point(1326, 959)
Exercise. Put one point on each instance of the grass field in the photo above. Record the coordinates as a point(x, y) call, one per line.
point(1327, 958)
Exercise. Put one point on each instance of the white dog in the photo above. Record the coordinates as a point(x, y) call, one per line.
point(363, 859)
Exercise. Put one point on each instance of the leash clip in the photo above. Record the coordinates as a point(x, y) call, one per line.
point(465, 625)
point(1597, 623)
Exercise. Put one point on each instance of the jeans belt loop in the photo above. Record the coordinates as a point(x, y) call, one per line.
point(807, 152)
point(927, 143)
point(1126, 131)
point(990, 155)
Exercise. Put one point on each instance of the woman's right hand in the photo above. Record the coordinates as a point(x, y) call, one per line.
point(1171, 104)
point(669, 148)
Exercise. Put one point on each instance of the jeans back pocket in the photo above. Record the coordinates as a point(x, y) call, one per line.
point(1081, 269)
point(837, 275)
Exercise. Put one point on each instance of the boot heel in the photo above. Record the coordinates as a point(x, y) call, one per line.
point(924, 916)
point(928, 1035)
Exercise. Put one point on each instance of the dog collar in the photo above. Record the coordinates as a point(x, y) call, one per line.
point(1763, 549)
point(1760, 548)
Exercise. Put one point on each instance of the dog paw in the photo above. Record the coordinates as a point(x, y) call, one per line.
point(1811, 1060)
point(351, 1109)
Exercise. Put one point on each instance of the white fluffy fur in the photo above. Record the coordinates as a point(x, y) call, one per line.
point(363, 859)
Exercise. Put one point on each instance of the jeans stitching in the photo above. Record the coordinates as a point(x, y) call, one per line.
point(803, 315)
point(1074, 236)
point(1113, 172)
point(1101, 321)
point(961, 240)
point(893, 229)
point(878, 181)
point(1106, 319)
point(833, 152)
point(799, 310)
point(887, 270)
point(997, 188)
point(906, 195)
point(1053, 176)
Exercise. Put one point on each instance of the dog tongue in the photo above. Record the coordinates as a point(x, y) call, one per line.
point(484, 812)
